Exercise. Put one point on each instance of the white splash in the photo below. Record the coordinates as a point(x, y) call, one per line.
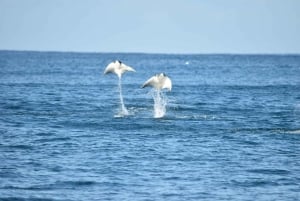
point(122, 110)
point(160, 103)
point(294, 132)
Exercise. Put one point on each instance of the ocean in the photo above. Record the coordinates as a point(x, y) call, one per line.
point(231, 128)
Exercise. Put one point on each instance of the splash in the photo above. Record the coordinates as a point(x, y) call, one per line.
point(122, 110)
point(160, 103)
point(293, 132)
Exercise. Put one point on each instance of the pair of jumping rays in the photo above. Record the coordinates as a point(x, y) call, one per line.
point(159, 81)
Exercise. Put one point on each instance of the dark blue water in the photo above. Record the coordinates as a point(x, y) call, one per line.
point(231, 130)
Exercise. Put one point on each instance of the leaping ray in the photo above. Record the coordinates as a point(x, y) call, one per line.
point(159, 81)
point(118, 68)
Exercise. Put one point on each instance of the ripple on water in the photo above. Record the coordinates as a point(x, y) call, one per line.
point(269, 171)
point(229, 133)
point(27, 199)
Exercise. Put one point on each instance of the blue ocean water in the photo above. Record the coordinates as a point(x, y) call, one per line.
point(231, 129)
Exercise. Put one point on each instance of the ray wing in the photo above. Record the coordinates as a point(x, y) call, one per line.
point(167, 84)
point(110, 68)
point(127, 68)
point(150, 82)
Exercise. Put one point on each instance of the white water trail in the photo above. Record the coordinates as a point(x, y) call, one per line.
point(123, 110)
point(160, 103)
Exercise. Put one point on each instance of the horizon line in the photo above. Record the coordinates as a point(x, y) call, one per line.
point(136, 52)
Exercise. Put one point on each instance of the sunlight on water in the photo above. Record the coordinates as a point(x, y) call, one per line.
point(160, 103)
point(122, 110)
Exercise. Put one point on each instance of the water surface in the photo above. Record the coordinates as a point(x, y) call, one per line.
point(231, 129)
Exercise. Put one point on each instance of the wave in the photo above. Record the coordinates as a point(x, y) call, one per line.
point(19, 146)
point(53, 186)
point(272, 130)
point(269, 171)
point(26, 199)
point(293, 131)
point(255, 183)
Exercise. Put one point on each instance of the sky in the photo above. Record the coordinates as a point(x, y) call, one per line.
point(151, 26)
